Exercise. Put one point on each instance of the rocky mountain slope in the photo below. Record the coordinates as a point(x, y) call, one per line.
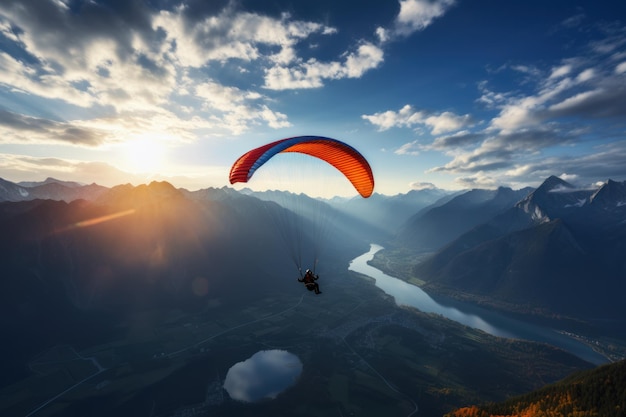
point(559, 249)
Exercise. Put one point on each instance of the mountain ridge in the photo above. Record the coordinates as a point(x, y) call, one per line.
point(555, 249)
point(434, 228)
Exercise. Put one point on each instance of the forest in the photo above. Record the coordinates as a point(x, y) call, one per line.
point(598, 392)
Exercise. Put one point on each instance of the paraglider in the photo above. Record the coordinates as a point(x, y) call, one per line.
point(338, 154)
point(347, 160)
point(309, 279)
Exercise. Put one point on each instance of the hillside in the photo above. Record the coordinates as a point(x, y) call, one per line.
point(50, 189)
point(90, 265)
point(558, 250)
point(440, 224)
point(388, 213)
point(598, 392)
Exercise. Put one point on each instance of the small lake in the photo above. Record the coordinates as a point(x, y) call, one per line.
point(489, 321)
point(262, 376)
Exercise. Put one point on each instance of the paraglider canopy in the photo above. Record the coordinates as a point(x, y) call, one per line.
point(338, 154)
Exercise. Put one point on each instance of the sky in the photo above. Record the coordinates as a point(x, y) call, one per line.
point(453, 94)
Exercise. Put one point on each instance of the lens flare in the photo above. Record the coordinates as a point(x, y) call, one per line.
point(97, 220)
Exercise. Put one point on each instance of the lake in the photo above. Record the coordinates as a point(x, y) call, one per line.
point(470, 315)
point(264, 375)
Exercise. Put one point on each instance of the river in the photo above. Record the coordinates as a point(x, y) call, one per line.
point(470, 315)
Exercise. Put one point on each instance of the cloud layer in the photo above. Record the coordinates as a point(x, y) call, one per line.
point(129, 62)
point(559, 118)
point(92, 76)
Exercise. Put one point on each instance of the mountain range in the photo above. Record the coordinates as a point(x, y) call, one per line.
point(441, 223)
point(388, 213)
point(78, 260)
point(558, 248)
point(92, 262)
point(50, 189)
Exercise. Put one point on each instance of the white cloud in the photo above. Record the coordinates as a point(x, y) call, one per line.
point(275, 120)
point(411, 148)
point(91, 71)
point(234, 35)
point(238, 107)
point(312, 73)
point(573, 88)
point(548, 109)
point(367, 56)
point(416, 15)
point(422, 186)
point(519, 162)
point(515, 115)
point(560, 71)
point(502, 150)
point(19, 77)
point(405, 117)
point(446, 122)
point(575, 101)
point(526, 69)
point(463, 138)
point(478, 180)
point(382, 34)
point(141, 67)
point(519, 170)
point(568, 177)
point(408, 117)
point(16, 128)
point(143, 62)
point(528, 111)
point(574, 21)
point(7, 31)
point(283, 78)
point(585, 75)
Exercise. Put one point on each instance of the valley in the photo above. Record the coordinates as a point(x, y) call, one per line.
point(603, 338)
point(354, 342)
point(145, 313)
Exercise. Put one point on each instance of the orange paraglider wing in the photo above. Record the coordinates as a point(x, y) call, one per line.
point(338, 154)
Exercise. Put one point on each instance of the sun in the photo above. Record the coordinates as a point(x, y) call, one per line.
point(144, 155)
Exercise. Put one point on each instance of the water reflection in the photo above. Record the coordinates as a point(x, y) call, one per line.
point(411, 295)
point(469, 315)
point(264, 375)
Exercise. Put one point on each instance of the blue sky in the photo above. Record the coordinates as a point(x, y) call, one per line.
point(435, 93)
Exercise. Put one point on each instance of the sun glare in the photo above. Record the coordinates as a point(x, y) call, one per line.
point(144, 155)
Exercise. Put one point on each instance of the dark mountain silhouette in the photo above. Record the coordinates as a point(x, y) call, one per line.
point(554, 198)
point(329, 217)
point(150, 231)
point(51, 180)
point(88, 265)
point(10, 191)
point(597, 392)
point(559, 248)
point(388, 213)
point(611, 193)
point(433, 228)
point(50, 189)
